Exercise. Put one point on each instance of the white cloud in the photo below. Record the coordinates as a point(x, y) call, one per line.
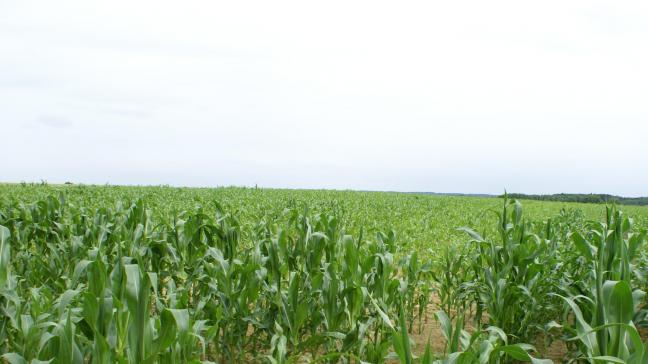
point(429, 96)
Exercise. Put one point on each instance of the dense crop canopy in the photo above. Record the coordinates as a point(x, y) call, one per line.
point(165, 275)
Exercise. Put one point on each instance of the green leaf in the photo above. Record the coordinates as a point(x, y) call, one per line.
point(5, 256)
point(606, 358)
point(618, 301)
point(401, 340)
point(173, 322)
point(583, 246)
point(473, 234)
point(14, 358)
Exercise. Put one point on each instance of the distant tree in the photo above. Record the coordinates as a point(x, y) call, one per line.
point(583, 198)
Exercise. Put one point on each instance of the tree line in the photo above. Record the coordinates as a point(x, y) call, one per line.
point(584, 198)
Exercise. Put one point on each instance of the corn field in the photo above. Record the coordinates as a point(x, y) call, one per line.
point(92, 274)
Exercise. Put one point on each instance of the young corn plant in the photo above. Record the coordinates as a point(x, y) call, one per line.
point(512, 283)
point(165, 275)
point(488, 346)
point(606, 303)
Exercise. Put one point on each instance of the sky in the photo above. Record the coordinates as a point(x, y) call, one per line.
point(442, 96)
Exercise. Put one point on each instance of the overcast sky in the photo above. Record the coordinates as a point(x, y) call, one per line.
point(446, 96)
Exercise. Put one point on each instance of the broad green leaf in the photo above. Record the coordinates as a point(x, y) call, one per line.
point(5, 256)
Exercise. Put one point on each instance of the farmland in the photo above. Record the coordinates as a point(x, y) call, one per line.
point(107, 274)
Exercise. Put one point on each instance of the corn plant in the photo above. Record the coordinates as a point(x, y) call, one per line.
point(167, 275)
point(604, 311)
point(488, 346)
point(512, 281)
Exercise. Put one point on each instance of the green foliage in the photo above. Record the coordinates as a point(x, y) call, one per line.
point(511, 275)
point(483, 346)
point(603, 302)
point(167, 275)
point(130, 284)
